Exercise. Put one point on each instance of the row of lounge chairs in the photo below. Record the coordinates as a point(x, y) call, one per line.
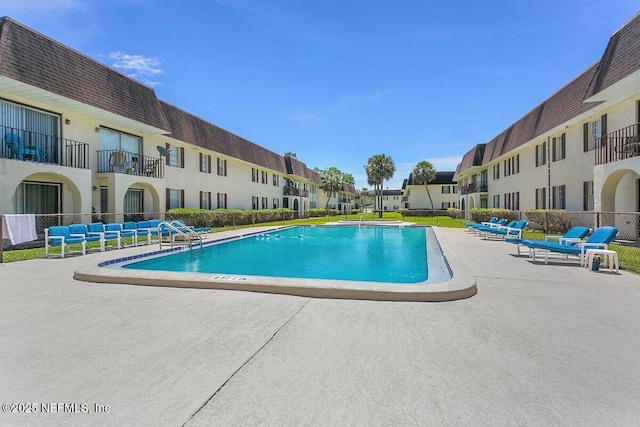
point(113, 234)
point(572, 243)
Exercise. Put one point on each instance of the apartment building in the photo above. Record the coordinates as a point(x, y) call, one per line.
point(578, 150)
point(78, 136)
point(443, 190)
point(342, 201)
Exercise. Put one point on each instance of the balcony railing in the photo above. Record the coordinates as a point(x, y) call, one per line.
point(293, 191)
point(474, 187)
point(618, 145)
point(116, 161)
point(36, 147)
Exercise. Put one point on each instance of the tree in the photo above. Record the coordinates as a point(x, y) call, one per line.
point(290, 154)
point(379, 168)
point(331, 182)
point(348, 178)
point(363, 196)
point(424, 173)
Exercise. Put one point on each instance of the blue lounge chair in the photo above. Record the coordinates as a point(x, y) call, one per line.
point(19, 151)
point(81, 230)
point(60, 235)
point(498, 223)
point(180, 224)
point(514, 229)
point(116, 227)
point(599, 239)
point(145, 229)
point(98, 228)
point(571, 237)
point(471, 224)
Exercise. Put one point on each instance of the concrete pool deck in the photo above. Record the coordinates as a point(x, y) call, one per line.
point(538, 345)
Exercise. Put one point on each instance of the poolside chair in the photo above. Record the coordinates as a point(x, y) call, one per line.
point(81, 230)
point(571, 237)
point(498, 223)
point(60, 235)
point(470, 224)
point(514, 230)
point(98, 228)
point(19, 151)
point(116, 227)
point(599, 239)
point(190, 228)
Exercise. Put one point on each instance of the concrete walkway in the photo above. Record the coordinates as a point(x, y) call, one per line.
point(538, 345)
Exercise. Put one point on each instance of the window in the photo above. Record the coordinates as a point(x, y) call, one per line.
point(254, 175)
point(254, 203)
point(276, 180)
point(265, 203)
point(205, 163)
point(515, 197)
point(507, 200)
point(591, 133)
point(175, 157)
point(517, 163)
point(496, 171)
point(175, 198)
point(133, 203)
point(37, 198)
point(276, 202)
point(446, 189)
point(446, 205)
point(541, 198)
point(455, 189)
point(222, 167)
point(41, 129)
point(558, 197)
point(205, 200)
point(265, 177)
point(222, 200)
point(541, 154)
point(558, 148)
point(496, 201)
point(587, 196)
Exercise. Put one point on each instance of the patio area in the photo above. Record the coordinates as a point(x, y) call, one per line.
point(537, 345)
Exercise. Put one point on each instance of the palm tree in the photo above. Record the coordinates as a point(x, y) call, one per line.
point(424, 173)
point(331, 182)
point(379, 168)
point(290, 154)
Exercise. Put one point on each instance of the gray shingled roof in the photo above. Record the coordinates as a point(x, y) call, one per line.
point(348, 188)
point(296, 167)
point(620, 58)
point(32, 58)
point(193, 130)
point(471, 158)
point(441, 178)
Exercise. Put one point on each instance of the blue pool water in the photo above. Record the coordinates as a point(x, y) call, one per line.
point(371, 254)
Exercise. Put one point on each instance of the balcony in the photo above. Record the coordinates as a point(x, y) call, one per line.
point(116, 161)
point(474, 187)
point(47, 149)
point(618, 145)
point(293, 191)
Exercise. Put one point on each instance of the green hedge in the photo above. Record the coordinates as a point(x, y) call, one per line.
point(228, 217)
point(484, 214)
point(423, 212)
point(551, 220)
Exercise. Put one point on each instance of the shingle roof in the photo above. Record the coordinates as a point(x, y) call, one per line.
point(32, 58)
point(621, 57)
point(193, 130)
point(348, 188)
point(471, 158)
point(296, 167)
point(441, 178)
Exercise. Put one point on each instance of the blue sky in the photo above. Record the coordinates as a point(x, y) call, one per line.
point(338, 81)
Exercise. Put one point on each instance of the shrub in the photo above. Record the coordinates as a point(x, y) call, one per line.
point(423, 212)
point(484, 214)
point(316, 212)
point(454, 213)
point(228, 217)
point(550, 220)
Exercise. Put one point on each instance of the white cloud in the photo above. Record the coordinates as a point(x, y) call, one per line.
point(137, 66)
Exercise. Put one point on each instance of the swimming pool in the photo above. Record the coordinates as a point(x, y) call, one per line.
point(448, 277)
point(371, 254)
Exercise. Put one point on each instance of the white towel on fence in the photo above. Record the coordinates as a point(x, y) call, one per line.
point(19, 228)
